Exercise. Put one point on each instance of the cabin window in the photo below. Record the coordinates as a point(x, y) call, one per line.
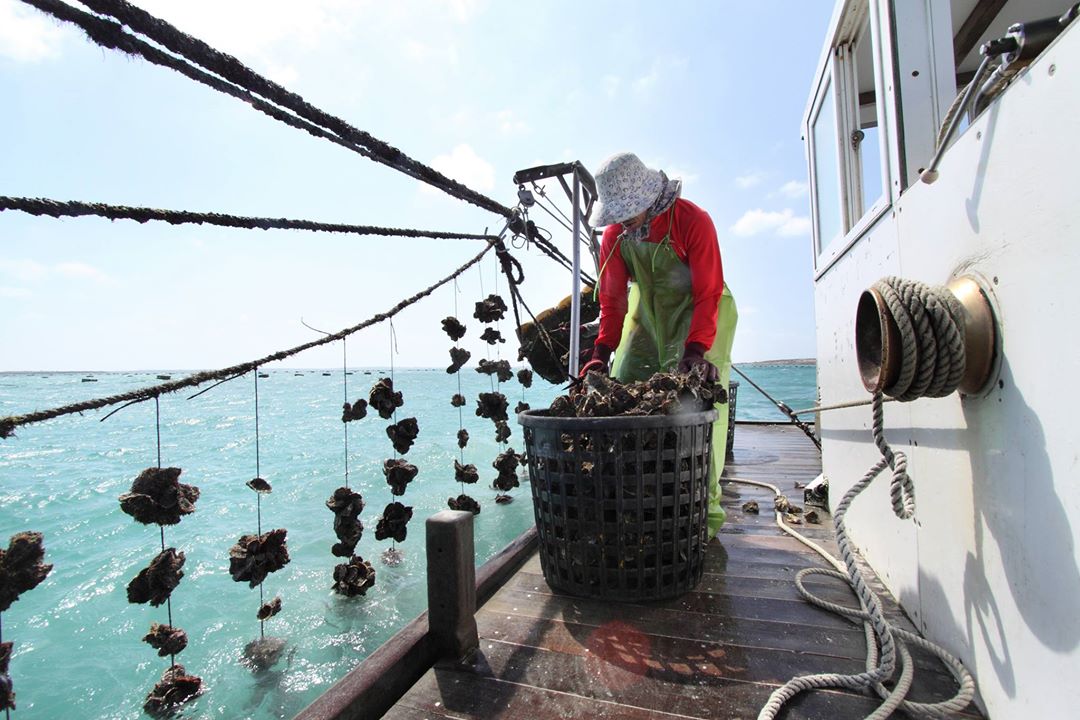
point(865, 138)
point(846, 144)
point(826, 169)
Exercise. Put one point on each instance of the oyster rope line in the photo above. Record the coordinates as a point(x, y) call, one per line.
point(76, 208)
point(9, 423)
point(110, 34)
point(931, 332)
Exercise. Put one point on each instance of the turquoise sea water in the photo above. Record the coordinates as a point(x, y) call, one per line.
point(78, 647)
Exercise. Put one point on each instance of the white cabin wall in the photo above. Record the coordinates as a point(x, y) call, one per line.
point(991, 566)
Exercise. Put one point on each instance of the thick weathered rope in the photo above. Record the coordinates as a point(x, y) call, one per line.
point(110, 34)
point(8, 424)
point(930, 320)
point(932, 363)
point(76, 208)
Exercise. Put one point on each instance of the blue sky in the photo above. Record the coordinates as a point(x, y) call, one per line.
point(712, 92)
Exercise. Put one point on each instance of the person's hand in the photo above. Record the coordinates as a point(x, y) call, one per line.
point(694, 358)
point(598, 362)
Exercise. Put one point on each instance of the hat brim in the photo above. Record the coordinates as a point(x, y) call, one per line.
point(622, 209)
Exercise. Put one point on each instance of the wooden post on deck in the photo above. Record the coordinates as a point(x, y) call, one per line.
point(451, 576)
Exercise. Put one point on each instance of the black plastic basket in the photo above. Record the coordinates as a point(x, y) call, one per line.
point(621, 503)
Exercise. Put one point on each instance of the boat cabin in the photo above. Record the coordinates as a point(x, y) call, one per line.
point(989, 566)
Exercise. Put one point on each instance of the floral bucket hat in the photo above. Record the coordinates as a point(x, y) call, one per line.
point(626, 188)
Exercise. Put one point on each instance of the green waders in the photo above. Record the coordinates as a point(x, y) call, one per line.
point(655, 331)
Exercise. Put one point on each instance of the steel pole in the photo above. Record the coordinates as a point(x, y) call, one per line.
point(575, 297)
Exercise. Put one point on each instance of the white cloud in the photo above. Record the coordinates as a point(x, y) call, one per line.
point(784, 223)
point(22, 270)
point(686, 176)
point(465, 166)
point(27, 35)
point(661, 68)
point(33, 271)
point(750, 179)
point(793, 189)
point(510, 124)
point(80, 270)
point(13, 292)
point(464, 10)
point(611, 85)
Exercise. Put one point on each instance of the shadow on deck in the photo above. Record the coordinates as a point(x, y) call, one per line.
point(717, 652)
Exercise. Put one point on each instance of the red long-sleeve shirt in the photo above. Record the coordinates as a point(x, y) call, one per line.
point(693, 238)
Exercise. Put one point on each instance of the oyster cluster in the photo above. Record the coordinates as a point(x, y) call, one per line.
point(346, 506)
point(465, 473)
point(393, 522)
point(490, 309)
point(506, 463)
point(7, 691)
point(155, 583)
point(403, 434)
point(259, 485)
point(21, 568)
point(453, 327)
point(175, 688)
point(383, 399)
point(399, 473)
point(492, 336)
point(354, 411)
point(502, 431)
point(465, 503)
point(491, 405)
point(354, 577)
point(253, 557)
point(166, 639)
point(499, 368)
point(525, 377)
point(458, 358)
point(458, 400)
point(662, 394)
point(521, 407)
point(462, 438)
point(158, 497)
point(269, 609)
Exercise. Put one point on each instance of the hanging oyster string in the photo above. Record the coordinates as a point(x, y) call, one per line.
point(21, 570)
point(462, 473)
point(158, 497)
point(392, 523)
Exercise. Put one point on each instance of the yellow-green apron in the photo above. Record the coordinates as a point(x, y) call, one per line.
point(654, 334)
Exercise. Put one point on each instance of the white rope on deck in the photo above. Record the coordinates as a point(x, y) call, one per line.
point(932, 348)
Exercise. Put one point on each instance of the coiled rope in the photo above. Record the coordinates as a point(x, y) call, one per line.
point(931, 327)
point(76, 208)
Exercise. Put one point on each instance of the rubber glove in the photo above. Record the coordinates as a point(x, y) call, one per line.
point(598, 362)
point(694, 357)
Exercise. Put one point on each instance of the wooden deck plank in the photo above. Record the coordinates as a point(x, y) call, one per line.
point(716, 652)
